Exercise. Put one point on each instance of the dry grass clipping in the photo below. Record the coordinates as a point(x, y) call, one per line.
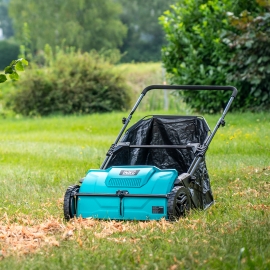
point(27, 235)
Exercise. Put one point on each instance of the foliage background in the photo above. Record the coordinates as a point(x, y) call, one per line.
point(8, 51)
point(83, 24)
point(199, 52)
point(5, 20)
point(251, 56)
point(208, 42)
point(145, 36)
point(132, 27)
point(73, 82)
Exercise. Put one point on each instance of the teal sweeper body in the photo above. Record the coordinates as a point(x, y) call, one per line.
point(155, 170)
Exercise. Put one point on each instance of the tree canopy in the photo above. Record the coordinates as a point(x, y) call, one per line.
point(83, 24)
point(145, 36)
point(131, 26)
point(5, 21)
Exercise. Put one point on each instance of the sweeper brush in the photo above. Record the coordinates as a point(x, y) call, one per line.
point(155, 169)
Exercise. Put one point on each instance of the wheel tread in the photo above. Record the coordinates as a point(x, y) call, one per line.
point(174, 212)
point(67, 201)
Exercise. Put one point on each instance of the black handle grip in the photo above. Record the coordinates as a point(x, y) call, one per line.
point(191, 87)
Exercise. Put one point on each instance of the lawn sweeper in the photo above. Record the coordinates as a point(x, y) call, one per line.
point(155, 169)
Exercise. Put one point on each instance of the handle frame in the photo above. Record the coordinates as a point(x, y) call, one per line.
point(208, 140)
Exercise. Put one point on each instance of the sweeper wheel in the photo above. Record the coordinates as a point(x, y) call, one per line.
point(179, 202)
point(70, 202)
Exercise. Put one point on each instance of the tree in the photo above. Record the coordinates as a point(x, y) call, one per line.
point(145, 36)
point(8, 51)
point(83, 24)
point(5, 21)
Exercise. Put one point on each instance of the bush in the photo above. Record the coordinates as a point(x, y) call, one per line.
point(196, 53)
point(251, 55)
point(8, 52)
point(73, 83)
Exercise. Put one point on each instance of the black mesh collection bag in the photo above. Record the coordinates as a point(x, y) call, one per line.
point(167, 130)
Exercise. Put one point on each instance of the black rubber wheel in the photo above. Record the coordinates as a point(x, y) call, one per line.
point(70, 202)
point(179, 202)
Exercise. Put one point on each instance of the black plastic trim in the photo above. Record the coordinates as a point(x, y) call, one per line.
point(125, 195)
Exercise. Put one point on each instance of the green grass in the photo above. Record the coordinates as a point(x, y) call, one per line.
point(41, 157)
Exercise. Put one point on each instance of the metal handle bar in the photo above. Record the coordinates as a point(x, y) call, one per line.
point(190, 87)
point(196, 161)
point(160, 146)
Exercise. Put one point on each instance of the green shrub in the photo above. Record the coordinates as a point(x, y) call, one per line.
point(194, 55)
point(251, 55)
point(197, 55)
point(8, 52)
point(73, 83)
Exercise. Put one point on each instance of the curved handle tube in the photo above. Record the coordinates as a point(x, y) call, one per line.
point(190, 87)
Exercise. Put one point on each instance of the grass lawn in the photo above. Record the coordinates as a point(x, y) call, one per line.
point(41, 157)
